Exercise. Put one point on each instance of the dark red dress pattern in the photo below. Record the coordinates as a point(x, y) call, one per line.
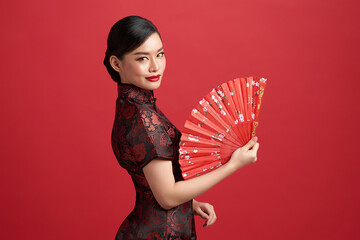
point(141, 132)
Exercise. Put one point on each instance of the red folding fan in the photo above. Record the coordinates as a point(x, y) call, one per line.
point(224, 120)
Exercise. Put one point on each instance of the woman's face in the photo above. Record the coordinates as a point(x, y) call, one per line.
point(147, 60)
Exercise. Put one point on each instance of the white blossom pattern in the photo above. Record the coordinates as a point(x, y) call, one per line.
point(216, 122)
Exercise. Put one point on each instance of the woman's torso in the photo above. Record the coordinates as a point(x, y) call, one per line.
point(140, 133)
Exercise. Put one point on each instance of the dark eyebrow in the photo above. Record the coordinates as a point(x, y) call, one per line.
point(146, 53)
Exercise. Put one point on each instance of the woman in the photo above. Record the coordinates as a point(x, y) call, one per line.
point(146, 143)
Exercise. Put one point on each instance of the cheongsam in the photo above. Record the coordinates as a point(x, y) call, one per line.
point(141, 133)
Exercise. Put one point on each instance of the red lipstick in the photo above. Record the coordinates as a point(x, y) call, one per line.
point(153, 78)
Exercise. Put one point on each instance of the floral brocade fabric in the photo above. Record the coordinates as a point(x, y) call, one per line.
point(141, 133)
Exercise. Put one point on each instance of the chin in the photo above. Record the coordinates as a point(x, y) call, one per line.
point(156, 85)
point(152, 85)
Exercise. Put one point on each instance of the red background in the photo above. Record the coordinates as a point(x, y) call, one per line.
point(59, 177)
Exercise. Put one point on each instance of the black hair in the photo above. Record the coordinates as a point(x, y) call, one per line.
point(126, 35)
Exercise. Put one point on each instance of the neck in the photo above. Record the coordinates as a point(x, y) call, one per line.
point(135, 93)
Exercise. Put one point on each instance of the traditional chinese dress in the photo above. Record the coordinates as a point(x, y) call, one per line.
point(141, 133)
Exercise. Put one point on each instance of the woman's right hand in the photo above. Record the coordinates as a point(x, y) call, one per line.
point(244, 155)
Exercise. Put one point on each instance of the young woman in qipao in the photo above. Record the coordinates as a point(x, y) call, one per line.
point(146, 143)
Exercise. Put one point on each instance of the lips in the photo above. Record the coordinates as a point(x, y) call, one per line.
point(153, 78)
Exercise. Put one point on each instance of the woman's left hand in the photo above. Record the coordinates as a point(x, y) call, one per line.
point(205, 211)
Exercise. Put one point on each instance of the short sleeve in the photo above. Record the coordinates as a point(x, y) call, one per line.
point(151, 137)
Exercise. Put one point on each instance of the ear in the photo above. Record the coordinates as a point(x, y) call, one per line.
point(115, 63)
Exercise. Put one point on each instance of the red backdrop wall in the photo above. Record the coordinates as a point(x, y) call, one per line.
point(59, 177)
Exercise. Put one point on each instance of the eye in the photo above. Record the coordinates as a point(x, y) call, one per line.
point(161, 54)
point(141, 59)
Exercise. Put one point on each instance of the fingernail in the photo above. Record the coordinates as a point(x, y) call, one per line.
point(255, 138)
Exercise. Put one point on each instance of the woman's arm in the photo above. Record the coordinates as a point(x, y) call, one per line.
point(169, 193)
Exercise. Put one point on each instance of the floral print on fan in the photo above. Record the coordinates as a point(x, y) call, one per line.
point(224, 120)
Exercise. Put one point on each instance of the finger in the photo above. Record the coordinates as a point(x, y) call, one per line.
point(203, 214)
point(255, 147)
point(206, 208)
point(250, 143)
point(212, 216)
point(212, 219)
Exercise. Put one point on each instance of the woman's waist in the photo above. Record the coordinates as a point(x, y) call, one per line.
point(147, 203)
point(147, 212)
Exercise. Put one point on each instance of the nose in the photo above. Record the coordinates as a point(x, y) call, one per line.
point(154, 65)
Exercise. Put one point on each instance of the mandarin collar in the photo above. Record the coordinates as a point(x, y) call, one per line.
point(130, 91)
